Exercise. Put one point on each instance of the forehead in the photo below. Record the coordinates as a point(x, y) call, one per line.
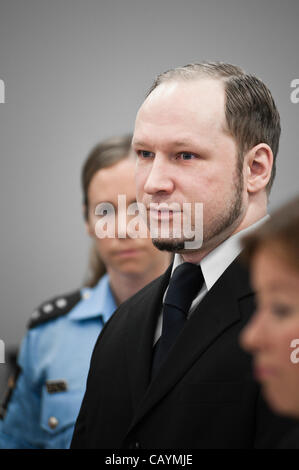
point(107, 183)
point(185, 108)
point(272, 272)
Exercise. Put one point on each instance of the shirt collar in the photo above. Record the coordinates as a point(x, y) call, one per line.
point(215, 263)
point(95, 301)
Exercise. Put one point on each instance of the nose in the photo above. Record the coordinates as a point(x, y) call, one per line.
point(159, 179)
point(254, 336)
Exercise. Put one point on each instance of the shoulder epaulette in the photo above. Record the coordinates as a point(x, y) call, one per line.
point(54, 308)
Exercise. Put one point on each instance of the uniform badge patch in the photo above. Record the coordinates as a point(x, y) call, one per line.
point(56, 386)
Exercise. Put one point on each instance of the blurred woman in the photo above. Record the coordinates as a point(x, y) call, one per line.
point(43, 402)
point(272, 335)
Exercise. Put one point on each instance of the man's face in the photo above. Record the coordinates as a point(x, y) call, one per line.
point(185, 155)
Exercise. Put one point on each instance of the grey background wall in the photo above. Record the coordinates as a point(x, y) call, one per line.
point(75, 71)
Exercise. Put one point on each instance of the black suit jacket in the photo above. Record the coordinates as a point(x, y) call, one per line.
point(203, 396)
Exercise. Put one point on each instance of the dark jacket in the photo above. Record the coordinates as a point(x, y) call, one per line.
point(203, 396)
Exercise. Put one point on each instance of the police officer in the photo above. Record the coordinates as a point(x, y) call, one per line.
point(44, 399)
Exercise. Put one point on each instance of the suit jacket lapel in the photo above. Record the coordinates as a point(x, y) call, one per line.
point(142, 321)
point(217, 311)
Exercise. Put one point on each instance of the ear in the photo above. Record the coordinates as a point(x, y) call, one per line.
point(258, 164)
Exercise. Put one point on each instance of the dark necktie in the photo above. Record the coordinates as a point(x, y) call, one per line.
point(185, 283)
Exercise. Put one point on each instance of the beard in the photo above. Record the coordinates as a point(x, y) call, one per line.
point(173, 246)
point(216, 227)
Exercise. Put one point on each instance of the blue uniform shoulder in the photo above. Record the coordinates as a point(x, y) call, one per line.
point(54, 308)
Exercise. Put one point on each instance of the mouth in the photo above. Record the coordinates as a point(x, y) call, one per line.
point(129, 253)
point(263, 372)
point(162, 214)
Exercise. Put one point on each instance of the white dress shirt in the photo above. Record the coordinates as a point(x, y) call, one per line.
point(213, 266)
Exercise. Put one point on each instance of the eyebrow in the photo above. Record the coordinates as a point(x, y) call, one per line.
point(282, 286)
point(104, 202)
point(176, 143)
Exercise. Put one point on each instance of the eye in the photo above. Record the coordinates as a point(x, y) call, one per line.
point(104, 209)
point(281, 310)
point(144, 154)
point(187, 156)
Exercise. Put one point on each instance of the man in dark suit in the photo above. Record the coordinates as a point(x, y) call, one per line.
point(167, 370)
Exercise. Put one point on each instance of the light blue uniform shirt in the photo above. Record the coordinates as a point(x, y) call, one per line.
point(58, 350)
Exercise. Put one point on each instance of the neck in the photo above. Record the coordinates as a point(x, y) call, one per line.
point(255, 212)
point(124, 285)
